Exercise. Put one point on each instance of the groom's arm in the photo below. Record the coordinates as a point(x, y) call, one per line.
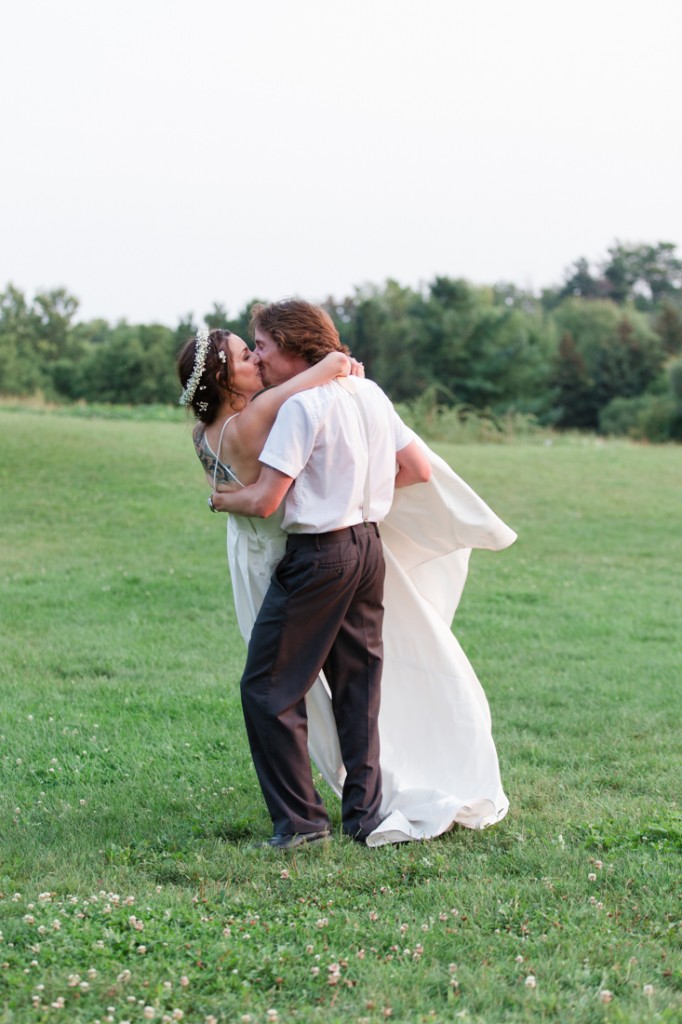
point(413, 466)
point(259, 499)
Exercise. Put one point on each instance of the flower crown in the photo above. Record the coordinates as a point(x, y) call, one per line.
point(200, 350)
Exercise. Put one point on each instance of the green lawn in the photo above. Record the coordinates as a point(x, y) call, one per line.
point(127, 892)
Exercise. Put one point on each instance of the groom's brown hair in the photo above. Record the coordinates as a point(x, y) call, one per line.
point(298, 328)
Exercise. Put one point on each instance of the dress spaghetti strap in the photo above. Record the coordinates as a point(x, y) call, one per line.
point(216, 455)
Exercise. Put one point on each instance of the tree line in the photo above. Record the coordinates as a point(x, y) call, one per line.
point(600, 351)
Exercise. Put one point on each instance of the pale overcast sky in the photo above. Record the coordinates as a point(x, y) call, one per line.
point(162, 154)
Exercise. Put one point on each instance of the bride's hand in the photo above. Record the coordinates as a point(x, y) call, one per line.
point(337, 362)
point(356, 369)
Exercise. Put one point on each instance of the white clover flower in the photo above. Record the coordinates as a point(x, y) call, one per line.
point(530, 981)
point(605, 996)
point(648, 991)
point(184, 981)
point(591, 877)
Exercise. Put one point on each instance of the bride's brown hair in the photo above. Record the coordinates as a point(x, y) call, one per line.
point(215, 383)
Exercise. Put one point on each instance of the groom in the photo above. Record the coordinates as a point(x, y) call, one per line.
point(331, 457)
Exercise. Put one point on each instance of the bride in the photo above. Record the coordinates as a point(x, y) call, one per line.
point(438, 758)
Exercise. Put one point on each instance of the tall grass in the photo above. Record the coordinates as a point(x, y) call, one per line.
point(128, 891)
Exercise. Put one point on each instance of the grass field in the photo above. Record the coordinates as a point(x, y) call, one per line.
point(127, 892)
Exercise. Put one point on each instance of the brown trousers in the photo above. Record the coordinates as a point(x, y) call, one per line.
point(323, 611)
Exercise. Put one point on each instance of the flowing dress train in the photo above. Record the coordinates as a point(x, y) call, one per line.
point(438, 758)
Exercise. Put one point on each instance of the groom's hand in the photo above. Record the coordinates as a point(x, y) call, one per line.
point(259, 499)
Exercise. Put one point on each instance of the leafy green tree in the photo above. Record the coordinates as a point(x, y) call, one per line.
point(626, 362)
point(609, 352)
point(34, 338)
point(382, 328)
point(574, 399)
point(20, 368)
point(668, 326)
point(488, 353)
point(643, 273)
point(136, 365)
point(580, 283)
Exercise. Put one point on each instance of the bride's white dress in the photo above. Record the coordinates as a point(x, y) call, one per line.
point(438, 758)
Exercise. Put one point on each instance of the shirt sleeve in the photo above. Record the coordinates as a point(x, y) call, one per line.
point(403, 434)
point(291, 439)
